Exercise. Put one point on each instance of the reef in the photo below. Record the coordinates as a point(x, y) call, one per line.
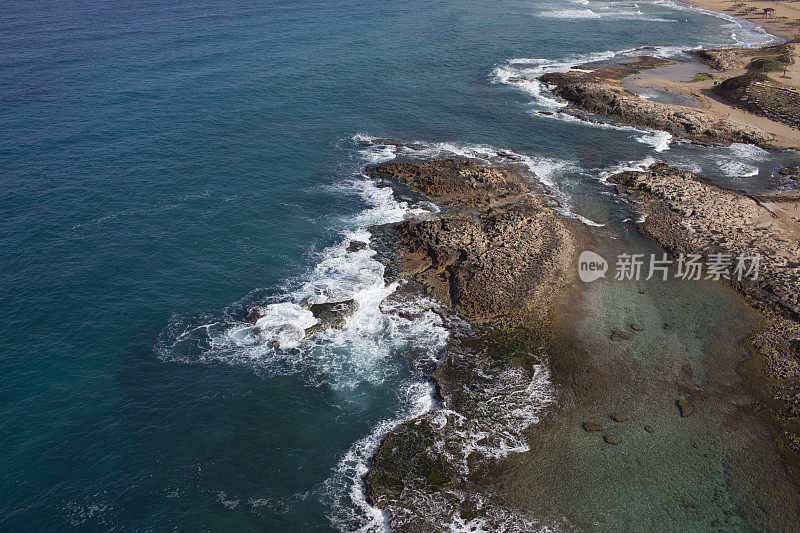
point(495, 259)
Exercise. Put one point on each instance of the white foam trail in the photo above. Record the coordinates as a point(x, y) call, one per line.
point(659, 140)
point(598, 13)
point(625, 166)
point(545, 170)
point(738, 162)
point(742, 32)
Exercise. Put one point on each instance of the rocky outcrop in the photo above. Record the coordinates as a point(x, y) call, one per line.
point(694, 216)
point(757, 93)
point(608, 98)
point(720, 59)
point(331, 315)
point(498, 256)
point(356, 246)
point(455, 181)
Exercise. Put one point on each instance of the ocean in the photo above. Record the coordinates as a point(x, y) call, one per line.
point(166, 166)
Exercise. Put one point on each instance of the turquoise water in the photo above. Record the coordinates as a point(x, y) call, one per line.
point(165, 166)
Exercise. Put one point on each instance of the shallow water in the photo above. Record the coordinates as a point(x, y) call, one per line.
point(167, 166)
point(717, 469)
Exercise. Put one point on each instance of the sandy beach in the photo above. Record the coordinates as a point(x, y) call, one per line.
point(679, 79)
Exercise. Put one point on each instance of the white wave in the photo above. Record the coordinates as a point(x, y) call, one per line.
point(736, 169)
point(582, 14)
point(738, 159)
point(497, 427)
point(625, 166)
point(523, 73)
point(345, 489)
point(545, 170)
point(344, 357)
point(659, 140)
point(742, 32)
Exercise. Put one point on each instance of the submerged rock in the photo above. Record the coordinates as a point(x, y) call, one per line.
point(592, 426)
point(685, 406)
point(637, 327)
point(616, 417)
point(612, 439)
point(619, 335)
point(649, 429)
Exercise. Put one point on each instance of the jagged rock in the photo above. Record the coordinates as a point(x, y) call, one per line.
point(256, 314)
point(616, 417)
point(725, 59)
point(356, 246)
point(612, 439)
point(601, 94)
point(685, 406)
point(333, 314)
point(592, 426)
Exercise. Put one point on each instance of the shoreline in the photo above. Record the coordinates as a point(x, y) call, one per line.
point(743, 94)
point(396, 471)
point(777, 27)
point(495, 258)
point(712, 219)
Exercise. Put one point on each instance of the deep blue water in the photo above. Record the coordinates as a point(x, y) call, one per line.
point(166, 165)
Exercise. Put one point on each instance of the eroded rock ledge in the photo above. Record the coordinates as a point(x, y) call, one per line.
point(598, 90)
point(497, 256)
point(688, 215)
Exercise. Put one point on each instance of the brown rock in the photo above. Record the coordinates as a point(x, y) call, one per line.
point(592, 426)
point(619, 335)
point(649, 429)
point(255, 314)
point(616, 417)
point(685, 406)
point(594, 93)
point(356, 246)
point(612, 439)
point(637, 327)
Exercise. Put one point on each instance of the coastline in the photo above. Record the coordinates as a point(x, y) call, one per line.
point(495, 259)
point(404, 467)
point(778, 27)
point(744, 94)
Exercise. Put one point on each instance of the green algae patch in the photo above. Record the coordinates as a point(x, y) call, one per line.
point(407, 459)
